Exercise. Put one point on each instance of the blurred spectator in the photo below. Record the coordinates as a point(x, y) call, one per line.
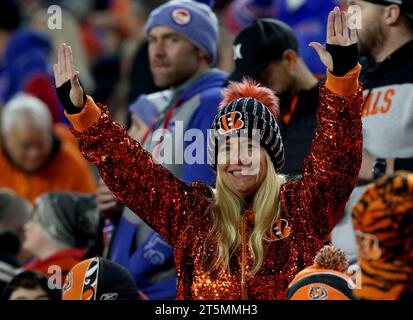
point(267, 51)
point(306, 17)
point(183, 38)
point(70, 33)
point(226, 37)
point(24, 60)
point(181, 50)
point(144, 110)
point(62, 227)
point(135, 74)
point(14, 213)
point(325, 280)
point(100, 279)
point(383, 219)
point(79, 8)
point(116, 14)
point(30, 285)
point(105, 31)
point(146, 255)
point(141, 79)
point(32, 159)
point(386, 38)
point(9, 263)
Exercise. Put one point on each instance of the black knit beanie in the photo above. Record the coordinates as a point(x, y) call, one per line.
point(248, 108)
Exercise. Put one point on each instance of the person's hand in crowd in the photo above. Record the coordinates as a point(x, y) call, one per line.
point(69, 92)
point(365, 173)
point(108, 205)
point(338, 34)
point(368, 162)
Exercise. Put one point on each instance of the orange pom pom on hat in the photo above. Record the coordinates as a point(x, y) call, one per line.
point(252, 109)
point(325, 280)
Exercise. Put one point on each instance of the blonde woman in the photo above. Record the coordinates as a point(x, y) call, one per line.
point(249, 238)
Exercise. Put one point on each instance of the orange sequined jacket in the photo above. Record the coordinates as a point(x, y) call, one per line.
point(179, 212)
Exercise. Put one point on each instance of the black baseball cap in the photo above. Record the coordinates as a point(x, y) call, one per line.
point(405, 5)
point(259, 43)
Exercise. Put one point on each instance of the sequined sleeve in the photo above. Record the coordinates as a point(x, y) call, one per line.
point(330, 170)
point(148, 189)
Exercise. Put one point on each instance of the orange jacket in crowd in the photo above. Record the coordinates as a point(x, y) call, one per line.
point(66, 171)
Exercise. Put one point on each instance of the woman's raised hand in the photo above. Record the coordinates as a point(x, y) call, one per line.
point(338, 33)
point(65, 70)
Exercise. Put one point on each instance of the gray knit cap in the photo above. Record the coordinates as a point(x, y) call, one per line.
point(70, 218)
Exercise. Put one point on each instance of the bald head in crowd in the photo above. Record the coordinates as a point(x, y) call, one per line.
point(26, 132)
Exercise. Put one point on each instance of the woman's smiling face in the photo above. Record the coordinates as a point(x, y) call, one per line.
point(242, 164)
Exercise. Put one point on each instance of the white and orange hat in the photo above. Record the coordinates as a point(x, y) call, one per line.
point(325, 280)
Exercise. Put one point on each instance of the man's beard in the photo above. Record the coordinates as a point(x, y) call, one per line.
point(371, 42)
point(287, 95)
point(173, 80)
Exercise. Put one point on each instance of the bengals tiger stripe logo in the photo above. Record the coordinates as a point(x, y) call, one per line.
point(230, 122)
point(91, 281)
point(68, 282)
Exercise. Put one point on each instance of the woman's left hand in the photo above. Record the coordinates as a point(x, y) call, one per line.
point(338, 33)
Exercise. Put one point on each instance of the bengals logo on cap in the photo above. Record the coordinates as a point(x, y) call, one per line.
point(81, 282)
point(230, 122)
point(181, 16)
point(368, 245)
point(317, 293)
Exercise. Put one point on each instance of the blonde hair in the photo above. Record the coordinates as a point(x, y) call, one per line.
point(228, 216)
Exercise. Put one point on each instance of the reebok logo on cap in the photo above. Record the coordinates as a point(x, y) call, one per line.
point(109, 296)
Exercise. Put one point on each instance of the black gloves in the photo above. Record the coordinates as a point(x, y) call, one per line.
point(344, 58)
point(63, 93)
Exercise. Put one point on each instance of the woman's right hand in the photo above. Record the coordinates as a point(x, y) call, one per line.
point(64, 70)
